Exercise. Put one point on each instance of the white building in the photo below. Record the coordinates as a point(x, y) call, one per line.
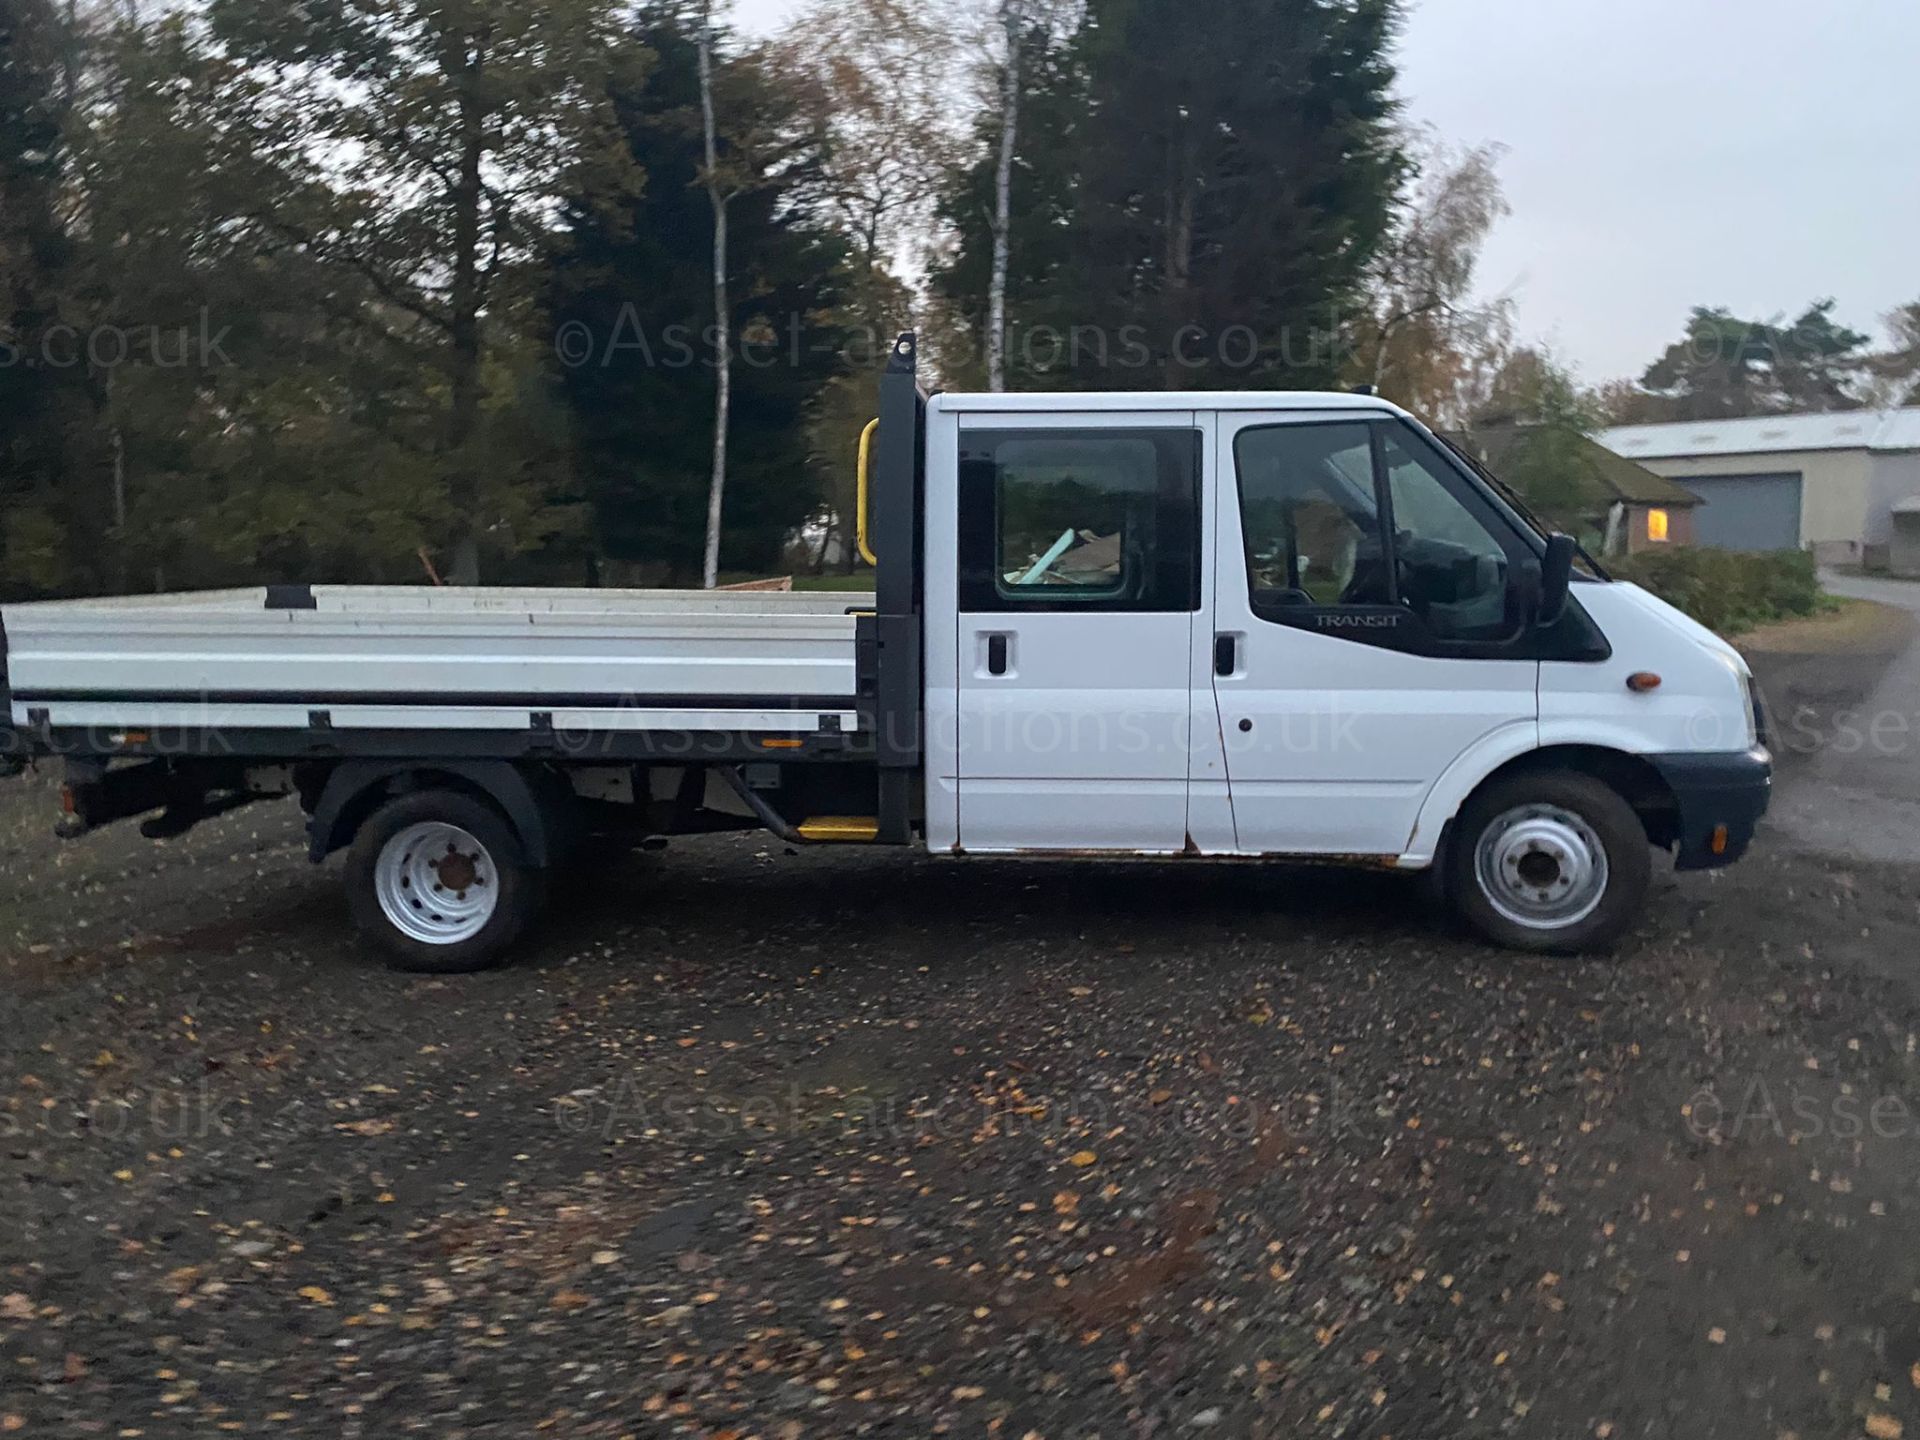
point(1780, 482)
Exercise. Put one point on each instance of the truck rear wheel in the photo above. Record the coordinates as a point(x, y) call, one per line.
point(1555, 863)
point(439, 880)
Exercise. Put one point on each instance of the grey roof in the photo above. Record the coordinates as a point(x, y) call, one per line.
point(1768, 435)
point(1602, 475)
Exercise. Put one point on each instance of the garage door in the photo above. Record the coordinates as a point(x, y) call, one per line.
point(1748, 512)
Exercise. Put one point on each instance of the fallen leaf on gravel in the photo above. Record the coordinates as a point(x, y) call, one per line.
point(605, 1257)
point(317, 1295)
point(1716, 1336)
point(1084, 1159)
point(1065, 1203)
point(18, 1307)
point(10, 1421)
point(1883, 1427)
point(367, 1127)
point(570, 1300)
point(74, 1369)
point(1916, 1377)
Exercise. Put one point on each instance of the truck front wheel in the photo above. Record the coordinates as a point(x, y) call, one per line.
point(1556, 863)
point(440, 881)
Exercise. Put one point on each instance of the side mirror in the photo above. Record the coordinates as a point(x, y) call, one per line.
point(1556, 580)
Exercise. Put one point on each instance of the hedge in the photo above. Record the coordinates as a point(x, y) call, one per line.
point(1725, 590)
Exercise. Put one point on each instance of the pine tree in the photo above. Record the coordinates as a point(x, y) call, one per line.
point(632, 324)
point(1727, 367)
point(45, 523)
point(1233, 169)
point(463, 118)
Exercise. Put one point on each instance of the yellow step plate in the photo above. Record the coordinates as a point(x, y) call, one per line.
point(839, 830)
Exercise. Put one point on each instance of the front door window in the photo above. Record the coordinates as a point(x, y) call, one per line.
point(1351, 528)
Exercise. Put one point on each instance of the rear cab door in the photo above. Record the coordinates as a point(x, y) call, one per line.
point(1077, 584)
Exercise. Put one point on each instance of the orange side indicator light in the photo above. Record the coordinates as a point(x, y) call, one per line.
point(1644, 683)
point(1721, 839)
point(783, 744)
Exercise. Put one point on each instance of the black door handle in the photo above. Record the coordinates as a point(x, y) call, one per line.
point(1226, 656)
point(996, 655)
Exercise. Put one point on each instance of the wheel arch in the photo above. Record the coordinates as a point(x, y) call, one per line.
point(357, 788)
point(1633, 777)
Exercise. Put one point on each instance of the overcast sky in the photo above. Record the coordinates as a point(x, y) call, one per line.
point(1757, 154)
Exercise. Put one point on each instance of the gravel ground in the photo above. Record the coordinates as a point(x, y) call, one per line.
point(836, 1144)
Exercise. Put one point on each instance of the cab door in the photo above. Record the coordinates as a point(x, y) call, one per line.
point(1368, 628)
point(1079, 583)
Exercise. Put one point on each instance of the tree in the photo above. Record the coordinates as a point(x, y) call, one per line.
point(876, 79)
point(1421, 336)
point(1534, 394)
point(1819, 364)
point(718, 194)
point(48, 529)
point(1013, 25)
point(1232, 173)
point(1726, 367)
point(625, 313)
point(461, 118)
point(1895, 371)
point(1041, 210)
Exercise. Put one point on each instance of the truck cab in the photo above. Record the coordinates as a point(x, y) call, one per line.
point(1301, 626)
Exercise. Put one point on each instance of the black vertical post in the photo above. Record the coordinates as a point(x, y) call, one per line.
point(895, 633)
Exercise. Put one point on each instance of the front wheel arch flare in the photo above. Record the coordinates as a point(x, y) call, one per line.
point(1632, 777)
point(358, 787)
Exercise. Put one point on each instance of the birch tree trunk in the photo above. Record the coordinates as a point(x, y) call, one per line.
point(464, 305)
point(1013, 19)
point(722, 306)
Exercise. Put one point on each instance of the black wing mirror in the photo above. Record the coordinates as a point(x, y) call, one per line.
point(1556, 580)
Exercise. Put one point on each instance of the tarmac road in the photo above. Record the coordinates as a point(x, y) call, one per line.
point(1859, 796)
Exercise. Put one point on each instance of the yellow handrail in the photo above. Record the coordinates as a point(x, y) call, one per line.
point(861, 522)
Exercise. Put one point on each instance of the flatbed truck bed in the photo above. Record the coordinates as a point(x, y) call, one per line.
point(327, 663)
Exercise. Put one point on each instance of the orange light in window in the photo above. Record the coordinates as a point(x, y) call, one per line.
point(1659, 527)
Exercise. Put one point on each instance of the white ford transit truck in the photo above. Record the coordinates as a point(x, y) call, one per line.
point(1211, 627)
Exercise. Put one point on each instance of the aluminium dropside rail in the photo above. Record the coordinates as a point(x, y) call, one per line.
point(891, 661)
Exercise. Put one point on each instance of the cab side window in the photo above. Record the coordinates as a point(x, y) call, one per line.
point(1104, 520)
point(1359, 516)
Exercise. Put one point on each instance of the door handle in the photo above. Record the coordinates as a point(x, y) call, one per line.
point(997, 655)
point(1226, 656)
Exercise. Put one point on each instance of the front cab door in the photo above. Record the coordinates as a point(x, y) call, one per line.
point(1079, 583)
point(1369, 629)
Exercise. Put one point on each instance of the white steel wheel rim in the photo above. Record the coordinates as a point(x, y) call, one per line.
point(1542, 867)
point(437, 884)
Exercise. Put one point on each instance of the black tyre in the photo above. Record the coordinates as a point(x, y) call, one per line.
point(440, 881)
point(1555, 862)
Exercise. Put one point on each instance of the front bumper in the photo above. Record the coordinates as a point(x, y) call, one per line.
point(1721, 800)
